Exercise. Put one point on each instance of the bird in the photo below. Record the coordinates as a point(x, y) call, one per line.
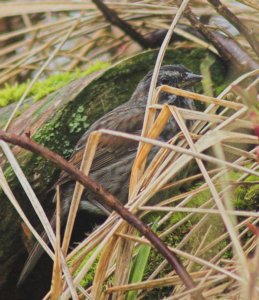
point(114, 156)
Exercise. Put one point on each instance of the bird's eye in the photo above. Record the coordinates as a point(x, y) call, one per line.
point(165, 81)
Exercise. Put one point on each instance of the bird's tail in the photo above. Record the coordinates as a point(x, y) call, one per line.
point(37, 250)
point(35, 254)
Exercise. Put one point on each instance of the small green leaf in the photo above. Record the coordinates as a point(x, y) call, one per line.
point(140, 263)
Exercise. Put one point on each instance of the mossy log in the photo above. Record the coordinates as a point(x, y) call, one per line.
point(58, 121)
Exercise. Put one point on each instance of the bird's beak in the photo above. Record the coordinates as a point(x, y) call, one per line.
point(190, 79)
point(193, 77)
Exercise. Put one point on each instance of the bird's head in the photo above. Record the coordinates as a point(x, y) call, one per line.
point(173, 75)
point(176, 76)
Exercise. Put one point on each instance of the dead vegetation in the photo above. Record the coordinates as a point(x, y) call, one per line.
point(203, 221)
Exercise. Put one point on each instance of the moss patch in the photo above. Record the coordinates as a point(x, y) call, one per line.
point(246, 196)
point(42, 88)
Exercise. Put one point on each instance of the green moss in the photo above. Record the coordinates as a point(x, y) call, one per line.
point(12, 93)
point(88, 279)
point(79, 120)
point(246, 197)
point(207, 83)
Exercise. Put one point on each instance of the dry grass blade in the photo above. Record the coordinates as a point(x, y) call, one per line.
point(149, 284)
point(56, 284)
point(145, 149)
point(200, 210)
point(150, 115)
point(90, 262)
point(4, 185)
point(252, 3)
point(88, 156)
point(216, 138)
point(103, 265)
point(252, 291)
point(27, 188)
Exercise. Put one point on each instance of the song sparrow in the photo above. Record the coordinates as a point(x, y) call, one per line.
point(114, 156)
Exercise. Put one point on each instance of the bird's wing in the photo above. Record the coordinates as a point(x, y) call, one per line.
point(110, 148)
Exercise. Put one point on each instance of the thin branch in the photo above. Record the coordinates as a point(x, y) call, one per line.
point(111, 201)
point(112, 17)
point(228, 49)
point(233, 19)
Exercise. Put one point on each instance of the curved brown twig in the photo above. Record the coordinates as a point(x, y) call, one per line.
point(228, 49)
point(111, 201)
point(112, 17)
point(235, 21)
